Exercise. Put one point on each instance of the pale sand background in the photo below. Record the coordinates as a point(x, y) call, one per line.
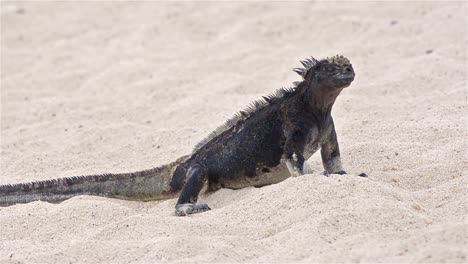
point(112, 87)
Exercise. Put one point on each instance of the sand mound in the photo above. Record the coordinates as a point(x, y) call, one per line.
point(111, 87)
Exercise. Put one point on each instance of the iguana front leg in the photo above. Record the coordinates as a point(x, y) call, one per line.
point(293, 156)
point(330, 151)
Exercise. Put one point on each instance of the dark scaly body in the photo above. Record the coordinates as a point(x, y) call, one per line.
point(262, 145)
point(275, 135)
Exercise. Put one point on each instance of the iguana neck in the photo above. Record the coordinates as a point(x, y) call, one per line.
point(319, 99)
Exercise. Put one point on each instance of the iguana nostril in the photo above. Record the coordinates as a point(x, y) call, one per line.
point(348, 69)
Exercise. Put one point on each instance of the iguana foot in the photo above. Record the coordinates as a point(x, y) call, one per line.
point(341, 172)
point(293, 169)
point(187, 209)
point(296, 172)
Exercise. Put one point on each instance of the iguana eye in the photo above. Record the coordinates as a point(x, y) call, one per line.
point(331, 69)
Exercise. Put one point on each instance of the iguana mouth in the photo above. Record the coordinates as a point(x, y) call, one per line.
point(345, 78)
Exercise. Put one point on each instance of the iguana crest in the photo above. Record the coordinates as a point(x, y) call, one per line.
point(311, 62)
point(339, 60)
point(248, 112)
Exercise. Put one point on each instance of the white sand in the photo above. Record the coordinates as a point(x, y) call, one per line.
point(113, 87)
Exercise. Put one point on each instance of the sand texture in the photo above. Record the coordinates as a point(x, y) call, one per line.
point(96, 87)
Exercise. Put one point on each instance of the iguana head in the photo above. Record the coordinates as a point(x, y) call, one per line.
point(331, 73)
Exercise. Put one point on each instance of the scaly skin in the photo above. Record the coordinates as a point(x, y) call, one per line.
point(275, 134)
point(261, 145)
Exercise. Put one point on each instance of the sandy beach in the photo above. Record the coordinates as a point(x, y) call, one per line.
point(95, 87)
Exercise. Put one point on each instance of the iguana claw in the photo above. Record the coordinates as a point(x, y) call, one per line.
point(188, 209)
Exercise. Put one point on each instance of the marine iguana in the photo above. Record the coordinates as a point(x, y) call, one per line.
point(263, 144)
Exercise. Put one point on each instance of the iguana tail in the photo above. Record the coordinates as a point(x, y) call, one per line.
point(147, 185)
